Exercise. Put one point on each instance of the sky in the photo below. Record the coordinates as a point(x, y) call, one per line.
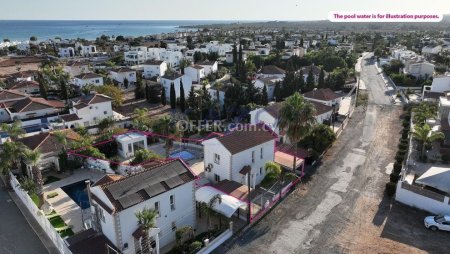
point(204, 9)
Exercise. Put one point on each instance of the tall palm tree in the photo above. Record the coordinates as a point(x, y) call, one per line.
point(164, 125)
point(146, 220)
point(14, 130)
point(34, 157)
point(61, 138)
point(296, 119)
point(426, 136)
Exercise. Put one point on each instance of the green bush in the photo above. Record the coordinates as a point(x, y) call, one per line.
point(397, 168)
point(404, 136)
point(399, 158)
point(195, 246)
point(394, 177)
point(405, 124)
point(390, 189)
point(445, 158)
point(402, 146)
point(401, 152)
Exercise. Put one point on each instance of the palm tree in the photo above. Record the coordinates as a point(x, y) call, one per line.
point(164, 125)
point(426, 136)
point(146, 221)
point(10, 154)
point(274, 172)
point(297, 119)
point(141, 119)
point(34, 158)
point(14, 130)
point(207, 208)
point(61, 138)
point(28, 185)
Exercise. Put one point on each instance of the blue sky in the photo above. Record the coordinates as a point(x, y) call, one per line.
point(205, 9)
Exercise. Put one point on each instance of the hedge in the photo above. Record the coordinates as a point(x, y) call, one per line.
point(391, 188)
point(394, 177)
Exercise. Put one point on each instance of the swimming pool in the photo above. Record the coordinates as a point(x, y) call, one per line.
point(78, 193)
point(184, 155)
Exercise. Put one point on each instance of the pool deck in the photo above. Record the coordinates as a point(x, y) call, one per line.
point(69, 211)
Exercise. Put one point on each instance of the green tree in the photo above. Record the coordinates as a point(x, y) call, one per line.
point(319, 139)
point(112, 91)
point(43, 87)
point(426, 136)
point(321, 81)
point(14, 130)
point(143, 155)
point(296, 119)
point(141, 120)
point(182, 98)
point(310, 81)
point(173, 97)
point(10, 154)
point(146, 221)
point(34, 158)
point(264, 99)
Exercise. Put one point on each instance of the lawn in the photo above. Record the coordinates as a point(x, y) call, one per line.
point(57, 222)
point(35, 199)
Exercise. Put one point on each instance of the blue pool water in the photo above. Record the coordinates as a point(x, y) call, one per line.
point(184, 155)
point(77, 192)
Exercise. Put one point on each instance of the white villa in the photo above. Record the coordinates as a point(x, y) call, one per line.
point(88, 78)
point(239, 153)
point(167, 188)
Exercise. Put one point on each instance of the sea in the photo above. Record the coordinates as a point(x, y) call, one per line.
point(20, 30)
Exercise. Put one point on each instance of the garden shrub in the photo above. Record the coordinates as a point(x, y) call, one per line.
point(394, 178)
point(390, 189)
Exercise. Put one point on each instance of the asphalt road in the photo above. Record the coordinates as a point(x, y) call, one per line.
point(311, 217)
point(16, 235)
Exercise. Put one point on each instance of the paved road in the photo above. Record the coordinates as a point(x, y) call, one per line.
point(16, 235)
point(309, 219)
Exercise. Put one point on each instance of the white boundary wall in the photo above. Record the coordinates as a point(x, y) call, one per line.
point(40, 218)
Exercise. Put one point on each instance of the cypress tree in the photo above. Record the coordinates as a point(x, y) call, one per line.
point(173, 97)
point(42, 86)
point(264, 99)
point(163, 97)
point(322, 79)
point(64, 91)
point(191, 102)
point(310, 82)
point(234, 53)
point(277, 92)
point(182, 99)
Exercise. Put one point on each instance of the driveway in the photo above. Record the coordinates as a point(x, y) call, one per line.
point(16, 235)
point(342, 207)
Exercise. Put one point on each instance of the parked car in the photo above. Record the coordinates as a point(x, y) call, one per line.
point(441, 222)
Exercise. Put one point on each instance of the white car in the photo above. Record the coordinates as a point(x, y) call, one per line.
point(441, 222)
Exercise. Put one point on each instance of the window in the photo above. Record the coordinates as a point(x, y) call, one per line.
point(216, 178)
point(100, 214)
point(129, 147)
point(172, 202)
point(216, 158)
point(97, 81)
point(260, 170)
point(174, 226)
point(157, 208)
point(253, 156)
point(90, 107)
point(104, 112)
point(261, 153)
